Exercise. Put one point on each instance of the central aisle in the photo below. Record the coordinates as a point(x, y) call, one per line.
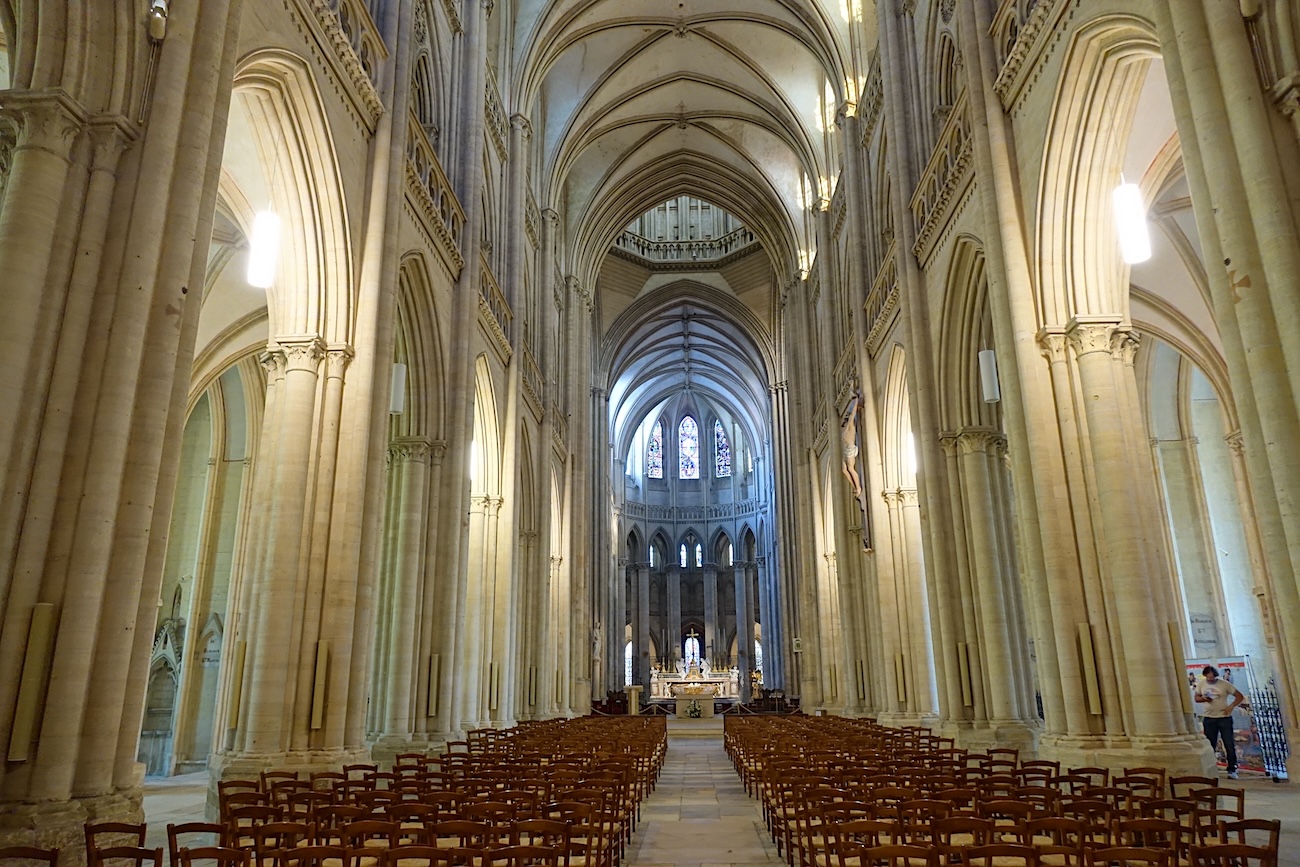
point(699, 813)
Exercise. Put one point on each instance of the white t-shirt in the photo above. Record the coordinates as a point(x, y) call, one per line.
point(1218, 694)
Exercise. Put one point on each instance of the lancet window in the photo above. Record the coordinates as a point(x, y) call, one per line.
point(688, 449)
point(654, 453)
point(721, 452)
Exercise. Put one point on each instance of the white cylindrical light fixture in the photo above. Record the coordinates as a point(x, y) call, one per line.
point(397, 397)
point(263, 249)
point(1131, 223)
point(989, 376)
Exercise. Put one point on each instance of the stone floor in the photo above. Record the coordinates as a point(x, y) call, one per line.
point(699, 815)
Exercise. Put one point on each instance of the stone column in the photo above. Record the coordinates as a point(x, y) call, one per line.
point(673, 620)
point(271, 652)
point(745, 577)
point(1001, 659)
point(437, 615)
point(641, 662)
point(712, 635)
point(1150, 683)
point(409, 466)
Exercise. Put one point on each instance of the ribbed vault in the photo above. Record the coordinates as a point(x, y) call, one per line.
point(636, 101)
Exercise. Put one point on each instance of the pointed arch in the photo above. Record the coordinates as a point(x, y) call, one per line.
point(418, 345)
point(899, 454)
point(1080, 269)
point(485, 458)
point(282, 111)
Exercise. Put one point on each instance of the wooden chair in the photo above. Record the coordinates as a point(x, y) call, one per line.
point(242, 821)
point(521, 856)
point(102, 835)
point(270, 778)
point(270, 838)
point(26, 856)
point(1097, 776)
point(1159, 775)
point(1060, 842)
point(955, 834)
point(1001, 855)
point(1151, 834)
point(313, 856)
point(1250, 832)
point(1132, 856)
point(900, 855)
point(117, 855)
point(1232, 855)
point(428, 856)
point(175, 832)
point(218, 856)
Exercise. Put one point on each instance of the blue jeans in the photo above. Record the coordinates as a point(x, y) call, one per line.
point(1221, 727)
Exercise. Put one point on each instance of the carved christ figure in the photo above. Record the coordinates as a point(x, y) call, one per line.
point(849, 445)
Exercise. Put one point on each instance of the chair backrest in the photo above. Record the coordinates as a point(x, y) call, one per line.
point(521, 856)
point(1131, 855)
point(1000, 854)
point(220, 856)
point(1182, 787)
point(900, 855)
point(1233, 855)
point(1152, 833)
point(270, 838)
point(27, 854)
point(269, 778)
point(137, 855)
point(311, 856)
point(1253, 832)
point(102, 835)
point(425, 856)
point(175, 832)
point(370, 832)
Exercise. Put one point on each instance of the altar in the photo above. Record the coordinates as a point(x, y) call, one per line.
point(695, 681)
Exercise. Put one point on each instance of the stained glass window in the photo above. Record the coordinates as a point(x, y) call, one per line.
point(699, 555)
point(654, 453)
point(681, 556)
point(692, 649)
point(688, 448)
point(721, 451)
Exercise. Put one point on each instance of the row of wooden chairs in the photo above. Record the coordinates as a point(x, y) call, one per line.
point(811, 790)
point(1016, 855)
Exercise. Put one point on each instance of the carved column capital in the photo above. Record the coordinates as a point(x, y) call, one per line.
point(110, 135)
point(337, 358)
point(980, 441)
point(1236, 442)
point(948, 442)
point(409, 449)
point(1051, 343)
point(47, 120)
point(521, 123)
point(302, 353)
point(550, 215)
point(437, 451)
point(1089, 335)
point(272, 361)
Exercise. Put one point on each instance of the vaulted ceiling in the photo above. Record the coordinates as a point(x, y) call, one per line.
point(636, 101)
